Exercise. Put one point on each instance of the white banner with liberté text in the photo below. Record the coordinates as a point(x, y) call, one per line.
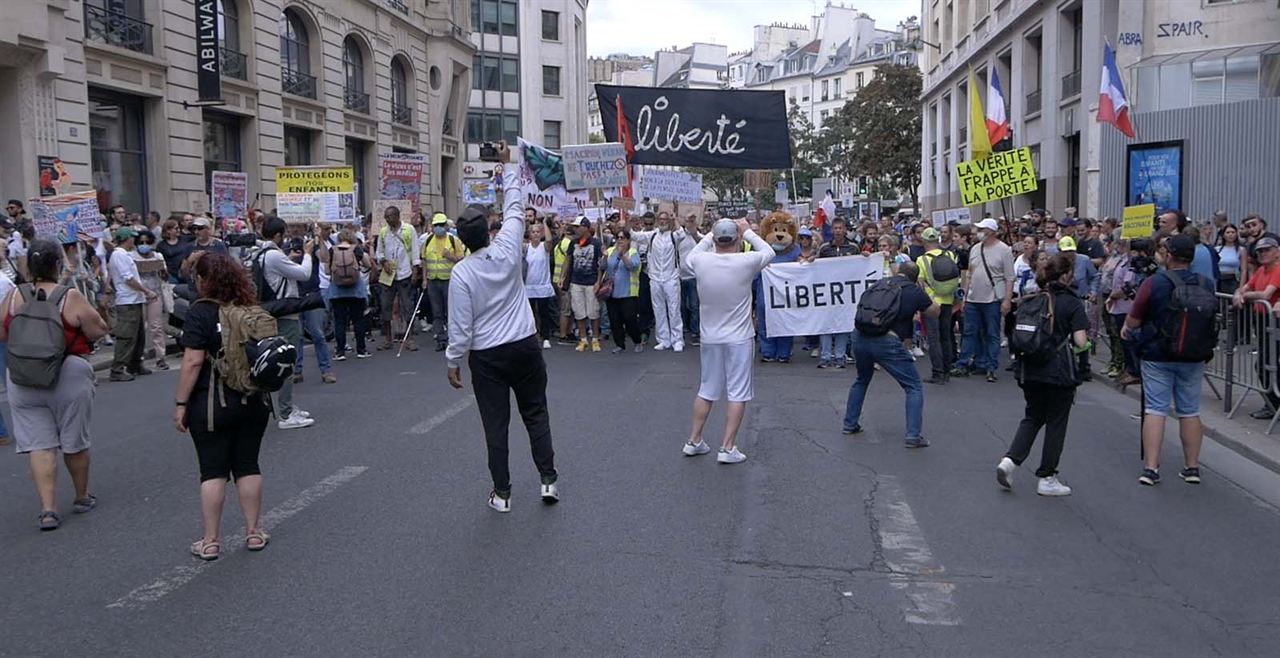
point(811, 299)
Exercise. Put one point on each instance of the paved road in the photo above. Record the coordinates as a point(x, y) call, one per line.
point(819, 545)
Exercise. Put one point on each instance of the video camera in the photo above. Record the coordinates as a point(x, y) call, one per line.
point(241, 239)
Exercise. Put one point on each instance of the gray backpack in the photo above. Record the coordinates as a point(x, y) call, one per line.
point(37, 343)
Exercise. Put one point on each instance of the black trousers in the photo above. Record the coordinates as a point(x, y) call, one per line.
point(348, 311)
point(495, 374)
point(544, 315)
point(644, 307)
point(1048, 406)
point(624, 320)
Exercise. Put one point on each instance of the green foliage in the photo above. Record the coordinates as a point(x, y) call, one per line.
point(726, 183)
point(877, 133)
point(808, 158)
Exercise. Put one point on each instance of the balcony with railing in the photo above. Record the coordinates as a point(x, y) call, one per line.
point(297, 83)
point(448, 125)
point(1071, 85)
point(234, 64)
point(355, 100)
point(398, 5)
point(1033, 103)
point(401, 114)
point(117, 29)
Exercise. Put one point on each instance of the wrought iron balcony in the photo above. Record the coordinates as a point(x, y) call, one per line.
point(448, 126)
point(355, 100)
point(297, 83)
point(401, 114)
point(1033, 102)
point(117, 29)
point(1071, 85)
point(234, 64)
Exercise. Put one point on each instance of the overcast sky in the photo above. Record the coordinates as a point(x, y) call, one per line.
point(640, 27)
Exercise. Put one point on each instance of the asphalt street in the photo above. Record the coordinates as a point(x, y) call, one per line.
point(819, 545)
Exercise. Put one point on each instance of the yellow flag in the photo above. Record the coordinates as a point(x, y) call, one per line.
point(979, 142)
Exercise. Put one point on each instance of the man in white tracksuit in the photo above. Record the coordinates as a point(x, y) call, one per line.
point(668, 246)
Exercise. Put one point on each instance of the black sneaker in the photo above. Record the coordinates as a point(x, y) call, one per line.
point(823, 365)
point(140, 371)
point(340, 356)
point(936, 379)
point(856, 429)
point(1190, 475)
point(120, 376)
point(785, 359)
point(766, 359)
point(959, 371)
point(695, 340)
point(991, 377)
point(1262, 414)
point(567, 340)
point(1149, 477)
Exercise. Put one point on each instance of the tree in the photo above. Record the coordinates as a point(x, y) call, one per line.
point(877, 132)
point(807, 156)
point(726, 183)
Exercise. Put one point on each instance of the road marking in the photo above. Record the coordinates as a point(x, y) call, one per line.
point(181, 575)
point(914, 570)
point(439, 419)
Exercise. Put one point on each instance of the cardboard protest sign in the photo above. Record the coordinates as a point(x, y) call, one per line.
point(230, 192)
point(684, 209)
point(757, 179)
point(595, 166)
point(63, 217)
point(379, 213)
point(1003, 175)
point(699, 127)
point(315, 194)
point(960, 216)
point(623, 203)
point(1138, 221)
point(150, 265)
point(667, 185)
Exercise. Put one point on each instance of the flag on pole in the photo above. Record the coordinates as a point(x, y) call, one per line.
point(979, 142)
point(1113, 104)
point(997, 120)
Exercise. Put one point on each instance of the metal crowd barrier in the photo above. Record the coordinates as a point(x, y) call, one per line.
point(1246, 355)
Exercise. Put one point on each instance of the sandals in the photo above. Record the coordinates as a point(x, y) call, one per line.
point(256, 540)
point(84, 505)
point(206, 550)
point(49, 521)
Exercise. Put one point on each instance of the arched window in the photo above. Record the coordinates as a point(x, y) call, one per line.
point(400, 109)
point(352, 65)
point(229, 25)
point(295, 56)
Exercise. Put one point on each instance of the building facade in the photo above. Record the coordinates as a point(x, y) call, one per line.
point(699, 66)
point(1206, 54)
point(109, 87)
point(530, 74)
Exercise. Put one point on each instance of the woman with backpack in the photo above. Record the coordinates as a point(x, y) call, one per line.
point(1048, 326)
point(348, 265)
point(226, 425)
point(51, 391)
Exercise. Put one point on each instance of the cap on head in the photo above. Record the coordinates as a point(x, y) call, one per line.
point(439, 218)
point(582, 221)
point(805, 233)
point(124, 233)
point(1266, 243)
point(1067, 243)
point(201, 222)
point(724, 231)
point(988, 224)
point(1183, 248)
point(930, 235)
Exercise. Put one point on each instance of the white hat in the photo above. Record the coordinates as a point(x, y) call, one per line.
point(989, 224)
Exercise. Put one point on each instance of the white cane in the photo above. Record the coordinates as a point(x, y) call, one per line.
point(409, 321)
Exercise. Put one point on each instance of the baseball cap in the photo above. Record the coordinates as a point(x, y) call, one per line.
point(725, 230)
point(930, 235)
point(582, 221)
point(1067, 243)
point(201, 222)
point(1266, 243)
point(1183, 247)
point(988, 224)
point(805, 233)
point(124, 233)
point(439, 218)
point(1067, 221)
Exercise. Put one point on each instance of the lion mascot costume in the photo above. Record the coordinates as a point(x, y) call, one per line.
point(779, 230)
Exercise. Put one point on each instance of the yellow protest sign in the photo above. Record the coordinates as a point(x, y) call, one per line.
point(315, 194)
point(305, 180)
point(1004, 174)
point(1139, 221)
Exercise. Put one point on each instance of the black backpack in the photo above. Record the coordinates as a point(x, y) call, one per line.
point(878, 307)
point(1188, 332)
point(1033, 327)
point(265, 292)
point(944, 268)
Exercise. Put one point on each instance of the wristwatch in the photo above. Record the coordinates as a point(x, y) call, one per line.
point(180, 403)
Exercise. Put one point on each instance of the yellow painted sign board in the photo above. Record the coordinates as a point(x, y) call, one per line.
point(1003, 175)
point(1138, 222)
point(307, 180)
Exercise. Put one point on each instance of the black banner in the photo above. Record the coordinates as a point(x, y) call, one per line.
point(208, 62)
point(699, 127)
point(732, 209)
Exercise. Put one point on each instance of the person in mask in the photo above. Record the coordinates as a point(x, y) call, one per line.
point(440, 252)
point(152, 272)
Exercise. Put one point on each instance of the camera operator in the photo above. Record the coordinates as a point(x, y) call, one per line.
point(277, 276)
point(1129, 274)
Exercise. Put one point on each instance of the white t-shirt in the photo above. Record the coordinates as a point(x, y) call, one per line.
point(124, 269)
point(391, 248)
point(17, 248)
point(724, 288)
point(537, 283)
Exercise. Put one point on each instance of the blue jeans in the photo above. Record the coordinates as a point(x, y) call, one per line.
point(313, 329)
point(689, 306)
point(840, 342)
point(1169, 387)
point(771, 347)
point(886, 350)
point(981, 346)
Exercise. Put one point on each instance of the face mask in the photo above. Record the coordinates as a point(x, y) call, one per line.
point(439, 231)
point(144, 249)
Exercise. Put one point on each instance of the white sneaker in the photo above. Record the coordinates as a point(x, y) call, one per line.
point(639, 348)
point(734, 456)
point(423, 327)
point(301, 413)
point(695, 449)
point(295, 422)
point(550, 495)
point(661, 347)
point(1004, 342)
point(679, 347)
point(499, 503)
point(1004, 472)
point(546, 344)
point(1050, 486)
point(917, 352)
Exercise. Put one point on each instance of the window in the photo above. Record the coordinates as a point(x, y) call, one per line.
point(118, 23)
point(507, 18)
point(510, 74)
point(491, 126)
point(858, 80)
point(297, 147)
point(495, 17)
point(354, 96)
point(495, 73)
point(229, 25)
point(826, 90)
point(824, 114)
point(836, 93)
point(401, 111)
point(551, 25)
point(551, 80)
point(117, 149)
point(295, 45)
point(355, 152)
point(551, 134)
point(221, 144)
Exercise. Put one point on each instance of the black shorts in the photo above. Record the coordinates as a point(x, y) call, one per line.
point(232, 449)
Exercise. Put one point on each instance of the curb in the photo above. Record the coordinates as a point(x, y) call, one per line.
point(103, 362)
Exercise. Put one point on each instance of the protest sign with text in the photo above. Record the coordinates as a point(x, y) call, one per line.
point(808, 299)
point(595, 166)
point(63, 216)
point(1138, 221)
point(230, 192)
point(401, 176)
point(1003, 175)
point(667, 185)
point(315, 194)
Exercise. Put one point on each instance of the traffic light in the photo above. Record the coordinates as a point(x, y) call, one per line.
point(862, 186)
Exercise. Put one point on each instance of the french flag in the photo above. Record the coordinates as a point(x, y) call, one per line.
point(997, 120)
point(1113, 106)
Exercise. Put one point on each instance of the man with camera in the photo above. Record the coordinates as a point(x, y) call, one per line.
point(277, 276)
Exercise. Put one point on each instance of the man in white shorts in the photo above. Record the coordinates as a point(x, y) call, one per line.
point(724, 279)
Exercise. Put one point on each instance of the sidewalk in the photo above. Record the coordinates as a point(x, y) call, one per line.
point(1242, 434)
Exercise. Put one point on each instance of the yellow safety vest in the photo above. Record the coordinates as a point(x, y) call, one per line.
point(634, 286)
point(436, 266)
point(559, 253)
